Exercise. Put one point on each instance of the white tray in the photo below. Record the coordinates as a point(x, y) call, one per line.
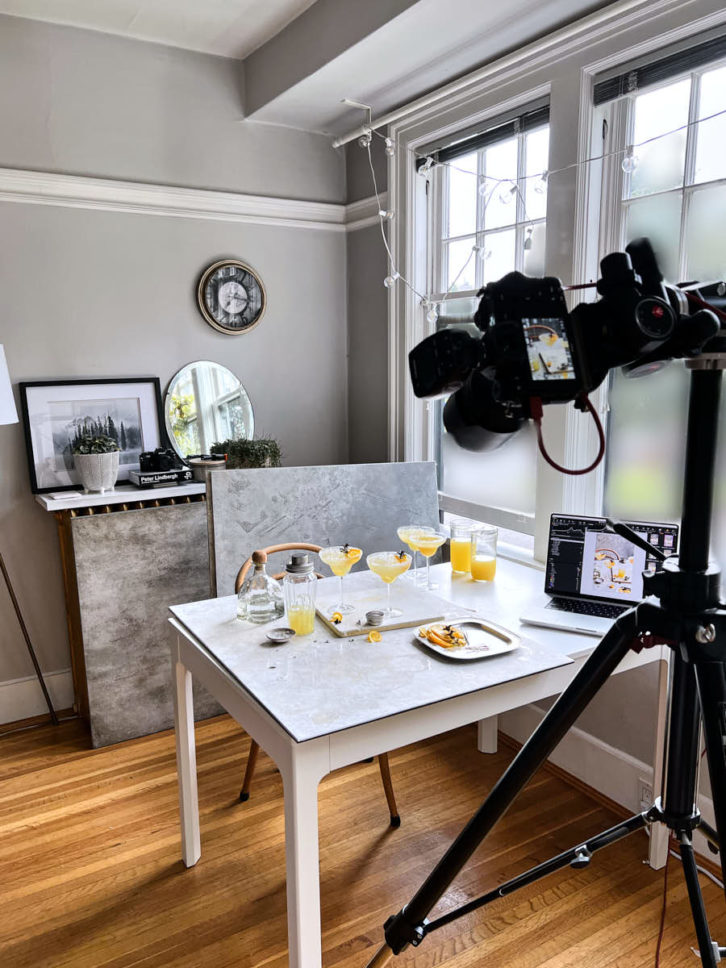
point(419, 607)
point(485, 639)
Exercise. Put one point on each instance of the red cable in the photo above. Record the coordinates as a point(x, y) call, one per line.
point(535, 406)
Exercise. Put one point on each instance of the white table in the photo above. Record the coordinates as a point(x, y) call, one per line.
point(319, 703)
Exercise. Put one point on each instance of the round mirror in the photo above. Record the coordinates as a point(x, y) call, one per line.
point(206, 404)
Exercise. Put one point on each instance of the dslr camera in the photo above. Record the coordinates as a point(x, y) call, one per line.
point(161, 459)
point(533, 351)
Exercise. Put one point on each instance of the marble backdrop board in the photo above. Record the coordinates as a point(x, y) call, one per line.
point(130, 567)
point(362, 504)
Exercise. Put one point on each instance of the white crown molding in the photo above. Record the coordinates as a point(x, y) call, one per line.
point(361, 214)
point(110, 195)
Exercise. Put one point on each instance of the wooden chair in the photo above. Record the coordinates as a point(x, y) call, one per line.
point(254, 747)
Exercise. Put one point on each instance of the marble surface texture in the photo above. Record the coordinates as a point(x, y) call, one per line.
point(319, 684)
point(130, 567)
point(362, 504)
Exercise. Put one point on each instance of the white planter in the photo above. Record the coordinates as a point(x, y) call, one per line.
point(98, 472)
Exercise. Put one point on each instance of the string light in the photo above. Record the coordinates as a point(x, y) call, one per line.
point(541, 185)
point(426, 166)
point(433, 314)
point(630, 161)
point(390, 281)
point(385, 214)
point(390, 148)
point(528, 238)
point(366, 138)
point(506, 195)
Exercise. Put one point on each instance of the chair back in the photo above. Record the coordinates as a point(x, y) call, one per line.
point(358, 504)
point(294, 546)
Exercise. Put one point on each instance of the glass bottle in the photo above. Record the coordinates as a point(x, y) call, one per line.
point(300, 586)
point(260, 598)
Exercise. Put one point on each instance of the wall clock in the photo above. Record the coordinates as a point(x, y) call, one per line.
point(231, 296)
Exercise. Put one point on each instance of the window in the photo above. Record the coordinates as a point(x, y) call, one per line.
point(676, 195)
point(489, 209)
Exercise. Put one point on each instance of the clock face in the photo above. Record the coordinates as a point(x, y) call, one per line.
point(231, 297)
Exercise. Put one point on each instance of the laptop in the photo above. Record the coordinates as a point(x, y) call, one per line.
point(592, 575)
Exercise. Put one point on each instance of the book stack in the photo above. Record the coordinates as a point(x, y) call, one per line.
point(160, 478)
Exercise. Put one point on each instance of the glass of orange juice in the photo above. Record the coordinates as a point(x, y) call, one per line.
point(484, 553)
point(460, 546)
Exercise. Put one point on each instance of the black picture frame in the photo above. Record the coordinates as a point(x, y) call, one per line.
point(48, 463)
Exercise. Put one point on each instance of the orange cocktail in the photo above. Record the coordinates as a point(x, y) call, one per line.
point(388, 565)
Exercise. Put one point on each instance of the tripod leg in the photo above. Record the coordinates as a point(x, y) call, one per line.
point(711, 680)
point(408, 926)
point(705, 944)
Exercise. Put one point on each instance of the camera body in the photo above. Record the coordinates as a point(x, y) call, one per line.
point(532, 348)
point(161, 459)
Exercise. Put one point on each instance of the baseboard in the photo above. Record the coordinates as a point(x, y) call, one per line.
point(23, 698)
point(610, 772)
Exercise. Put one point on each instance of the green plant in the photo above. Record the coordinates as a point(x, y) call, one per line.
point(263, 452)
point(91, 444)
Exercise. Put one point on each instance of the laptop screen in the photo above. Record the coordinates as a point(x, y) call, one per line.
point(586, 561)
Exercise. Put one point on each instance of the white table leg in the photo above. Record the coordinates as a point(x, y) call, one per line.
point(309, 763)
point(186, 762)
point(486, 736)
point(658, 847)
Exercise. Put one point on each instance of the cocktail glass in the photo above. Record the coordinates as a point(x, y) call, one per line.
point(406, 533)
point(428, 543)
point(388, 565)
point(340, 559)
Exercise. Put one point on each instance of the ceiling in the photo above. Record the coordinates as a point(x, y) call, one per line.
point(301, 57)
point(230, 28)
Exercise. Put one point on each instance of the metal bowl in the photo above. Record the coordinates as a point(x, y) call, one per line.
point(280, 636)
point(374, 617)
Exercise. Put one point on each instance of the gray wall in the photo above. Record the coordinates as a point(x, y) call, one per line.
point(367, 315)
point(104, 294)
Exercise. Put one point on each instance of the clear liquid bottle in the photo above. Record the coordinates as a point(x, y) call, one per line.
point(300, 585)
point(260, 598)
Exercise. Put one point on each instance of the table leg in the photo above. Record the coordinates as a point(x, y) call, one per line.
point(659, 833)
point(309, 763)
point(486, 736)
point(186, 761)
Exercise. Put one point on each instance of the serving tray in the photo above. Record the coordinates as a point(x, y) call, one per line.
point(485, 639)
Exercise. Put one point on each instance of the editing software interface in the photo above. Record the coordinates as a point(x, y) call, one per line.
point(585, 560)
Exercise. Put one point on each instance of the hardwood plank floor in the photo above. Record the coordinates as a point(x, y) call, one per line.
point(90, 875)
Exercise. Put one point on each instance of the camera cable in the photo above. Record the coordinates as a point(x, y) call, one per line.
point(583, 403)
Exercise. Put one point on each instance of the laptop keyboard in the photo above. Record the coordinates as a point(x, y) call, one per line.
point(602, 609)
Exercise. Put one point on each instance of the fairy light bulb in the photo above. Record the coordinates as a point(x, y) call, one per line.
point(432, 314)
point(483, 189)
point(630, 161)
point(528, 240)
point(390, 148)
point(365, 139)
point(386, 215)
point(540, 186)
point(426, 167)
point(390, 281)
point(506, 195)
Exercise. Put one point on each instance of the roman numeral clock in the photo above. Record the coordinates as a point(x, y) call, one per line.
point(231, 297)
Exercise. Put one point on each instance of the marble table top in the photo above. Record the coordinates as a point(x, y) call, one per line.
point(320, 684)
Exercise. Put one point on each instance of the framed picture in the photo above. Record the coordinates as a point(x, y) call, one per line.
point(56, 413)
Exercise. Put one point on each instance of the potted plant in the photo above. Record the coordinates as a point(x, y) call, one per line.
point(96, 457)
point(262, 452)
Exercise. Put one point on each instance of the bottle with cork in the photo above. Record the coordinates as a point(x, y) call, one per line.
point(260, 598)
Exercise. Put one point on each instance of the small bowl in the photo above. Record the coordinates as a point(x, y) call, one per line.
point(374, 617)
point(280, 636)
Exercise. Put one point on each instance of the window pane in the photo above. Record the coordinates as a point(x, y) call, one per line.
point(461, 262)
point(534, 257)
point(711, 135)
point(503, 478)
point(646, 439)
point(463, 195)
point(500, 165)
point(498, 254)
point(537, 156)
point(660, 220)
point(705, 248)
point(660, 162)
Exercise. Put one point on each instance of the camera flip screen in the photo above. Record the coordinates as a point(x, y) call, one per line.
point(548, 349)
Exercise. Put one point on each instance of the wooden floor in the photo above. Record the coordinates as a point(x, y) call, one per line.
point(90, 872)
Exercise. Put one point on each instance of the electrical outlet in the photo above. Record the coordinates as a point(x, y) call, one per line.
point(645, 794)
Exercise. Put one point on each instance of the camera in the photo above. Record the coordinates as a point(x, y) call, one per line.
point(161, 459)
point(532, 350)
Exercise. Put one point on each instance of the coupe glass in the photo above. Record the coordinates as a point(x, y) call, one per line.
point(428, 543)
point(406, 534)
point(340, 559)
point(388, 565)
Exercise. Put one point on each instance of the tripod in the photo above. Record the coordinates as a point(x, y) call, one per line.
point(683, 611)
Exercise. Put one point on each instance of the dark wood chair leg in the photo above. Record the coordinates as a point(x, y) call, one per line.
point(388, 787)
point(244, 793)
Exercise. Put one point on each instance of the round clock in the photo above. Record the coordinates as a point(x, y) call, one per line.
point(231, 296)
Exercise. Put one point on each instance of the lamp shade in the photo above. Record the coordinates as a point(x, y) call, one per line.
point(8, 413)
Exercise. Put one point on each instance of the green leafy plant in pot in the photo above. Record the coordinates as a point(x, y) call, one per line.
point(96, 458)
point(262, 452)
